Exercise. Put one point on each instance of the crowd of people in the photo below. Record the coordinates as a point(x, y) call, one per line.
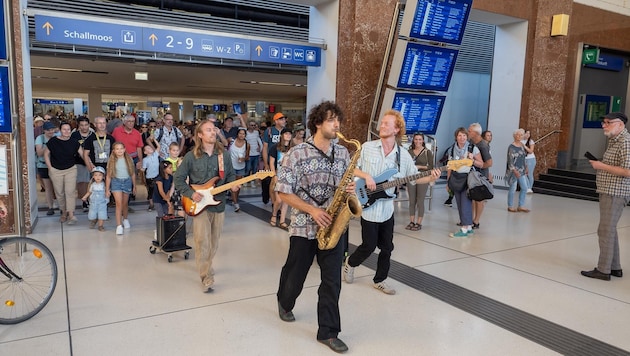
point(308, 172)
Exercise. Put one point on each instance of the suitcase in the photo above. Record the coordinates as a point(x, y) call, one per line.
point(170, 236)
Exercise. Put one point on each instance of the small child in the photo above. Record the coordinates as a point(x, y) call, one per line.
point(98, 201)
point(173, 157)
point(151, 167)
point(164, 188)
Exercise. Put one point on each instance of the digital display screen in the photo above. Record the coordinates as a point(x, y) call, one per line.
point(436, 20)
point(422, 67)
point(5, 101)
point(421, 111)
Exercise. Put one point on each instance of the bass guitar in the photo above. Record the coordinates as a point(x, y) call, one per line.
point(208, 190)
point(368, 197)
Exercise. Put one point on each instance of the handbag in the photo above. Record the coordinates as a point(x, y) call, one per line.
point(479, 187)
point(457, 181)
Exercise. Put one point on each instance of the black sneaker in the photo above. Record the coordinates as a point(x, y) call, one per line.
point(449, 202)
point(86, 207)
point(50, 212)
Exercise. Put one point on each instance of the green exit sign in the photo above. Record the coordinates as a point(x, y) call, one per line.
point(590, 56)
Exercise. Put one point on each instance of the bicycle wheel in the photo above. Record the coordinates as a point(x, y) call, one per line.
point(28, 277)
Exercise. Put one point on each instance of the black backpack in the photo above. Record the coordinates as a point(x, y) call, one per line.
point(177, 134)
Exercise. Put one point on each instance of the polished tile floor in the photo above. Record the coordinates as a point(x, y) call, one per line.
point(115, 298)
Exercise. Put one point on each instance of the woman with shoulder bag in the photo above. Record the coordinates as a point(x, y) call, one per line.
point(423, 159)
point(458, 180)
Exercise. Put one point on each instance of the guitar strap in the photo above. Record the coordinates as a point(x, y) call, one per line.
point(221, 170)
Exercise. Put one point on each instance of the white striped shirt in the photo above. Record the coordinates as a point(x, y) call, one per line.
point(374, 162)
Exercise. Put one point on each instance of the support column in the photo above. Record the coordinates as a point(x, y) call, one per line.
point(363, 33)
point(95, 105)
point(174, 110)
point(188, 113)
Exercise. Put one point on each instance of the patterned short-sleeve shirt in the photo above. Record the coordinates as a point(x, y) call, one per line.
point(617, 154)
point(314, 178)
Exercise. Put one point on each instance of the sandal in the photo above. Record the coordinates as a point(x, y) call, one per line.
point(284, 226)
point(410, 226)
point(416, 227)
point(272, 222)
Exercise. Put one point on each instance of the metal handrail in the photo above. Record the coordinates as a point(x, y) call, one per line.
point(547, 135)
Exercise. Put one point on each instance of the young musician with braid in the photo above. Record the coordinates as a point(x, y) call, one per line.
point(204, 162)
point(307, 181)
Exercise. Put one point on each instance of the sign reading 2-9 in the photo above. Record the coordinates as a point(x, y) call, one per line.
point(188, 41)
point(196, 44)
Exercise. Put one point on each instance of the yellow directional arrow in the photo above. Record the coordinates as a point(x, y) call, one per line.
point(258, 49)
point(153, 38)
point(48, 27)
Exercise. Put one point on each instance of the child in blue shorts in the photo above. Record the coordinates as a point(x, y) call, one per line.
point(98, 201)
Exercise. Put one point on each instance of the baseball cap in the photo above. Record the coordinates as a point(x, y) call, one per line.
point(279, 116)
point(616, 115)
point(49, 125)
point(285, 130)
point(98, 169)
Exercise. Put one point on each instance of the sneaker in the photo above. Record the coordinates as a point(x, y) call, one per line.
point(92, 224)
point(449, 202)
point(73, 220)
point(50, 211)
point(86, 207)
point(348, 272)
point(237, 207)
point(459, 233)
point(151, 207)
point(471, 232)
point(529, 191)
point(126, 224)
point(119, 230)
point(383, 287)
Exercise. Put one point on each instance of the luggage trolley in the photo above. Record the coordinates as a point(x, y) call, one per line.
point(171, 236)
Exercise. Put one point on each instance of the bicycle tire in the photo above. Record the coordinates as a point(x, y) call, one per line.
point(31, 282)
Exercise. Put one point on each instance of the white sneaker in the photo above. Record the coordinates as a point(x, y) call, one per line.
point(119, 230)
point(237, 207)
point(383, 287)
point(348, 272)
point(529, 191)
point(126, 224)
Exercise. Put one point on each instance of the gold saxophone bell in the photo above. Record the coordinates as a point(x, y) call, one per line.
point(344, 206)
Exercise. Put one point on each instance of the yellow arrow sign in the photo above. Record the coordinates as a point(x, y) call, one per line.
point(48, 27)
point(153, 38)
point(258, 49)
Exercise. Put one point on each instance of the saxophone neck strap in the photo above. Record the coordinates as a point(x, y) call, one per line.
point(330, 158)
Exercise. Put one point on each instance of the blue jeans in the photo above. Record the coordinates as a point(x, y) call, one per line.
point(252, 165)
point(530, 163)
point(522, 181)
point(464, 207)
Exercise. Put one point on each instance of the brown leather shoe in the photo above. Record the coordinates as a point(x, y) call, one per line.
point(523, 210)
point(596, 274)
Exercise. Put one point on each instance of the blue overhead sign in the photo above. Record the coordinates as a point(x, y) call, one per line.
point(145, 38)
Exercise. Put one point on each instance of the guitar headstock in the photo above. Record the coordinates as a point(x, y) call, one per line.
point(456, 164)
point(264, 174)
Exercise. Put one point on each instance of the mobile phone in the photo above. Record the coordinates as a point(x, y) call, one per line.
point(590, 156)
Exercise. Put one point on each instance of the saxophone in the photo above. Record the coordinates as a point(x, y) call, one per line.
point(344, 206)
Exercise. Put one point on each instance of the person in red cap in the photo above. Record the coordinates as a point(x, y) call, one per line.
point(270, 138)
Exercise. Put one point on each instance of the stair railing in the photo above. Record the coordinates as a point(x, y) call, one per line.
point(547, 135)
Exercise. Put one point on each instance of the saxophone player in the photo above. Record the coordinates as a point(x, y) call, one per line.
point(307, 181)
point(377, 221)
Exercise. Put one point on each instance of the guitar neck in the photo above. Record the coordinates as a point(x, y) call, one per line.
point(228, 186)
point(404, 180)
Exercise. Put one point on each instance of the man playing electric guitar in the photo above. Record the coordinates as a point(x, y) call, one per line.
point(377, 221)
point(204, 162)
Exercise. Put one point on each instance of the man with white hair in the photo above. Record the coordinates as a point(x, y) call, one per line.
point(474, 135)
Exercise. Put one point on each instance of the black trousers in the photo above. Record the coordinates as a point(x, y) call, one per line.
point(374, 235)
point(299, 261)
point(265, 189)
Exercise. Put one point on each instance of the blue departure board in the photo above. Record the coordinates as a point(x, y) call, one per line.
point(417, 66)
point(436, 20)
point(5, 101)
point(421, 111)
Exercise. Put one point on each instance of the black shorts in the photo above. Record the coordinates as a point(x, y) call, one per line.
point(43, 172)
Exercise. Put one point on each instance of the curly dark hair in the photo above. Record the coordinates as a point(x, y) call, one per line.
point(319, 113)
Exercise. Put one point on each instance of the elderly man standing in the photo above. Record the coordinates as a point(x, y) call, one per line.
point(613, 186)
point(474, 135)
